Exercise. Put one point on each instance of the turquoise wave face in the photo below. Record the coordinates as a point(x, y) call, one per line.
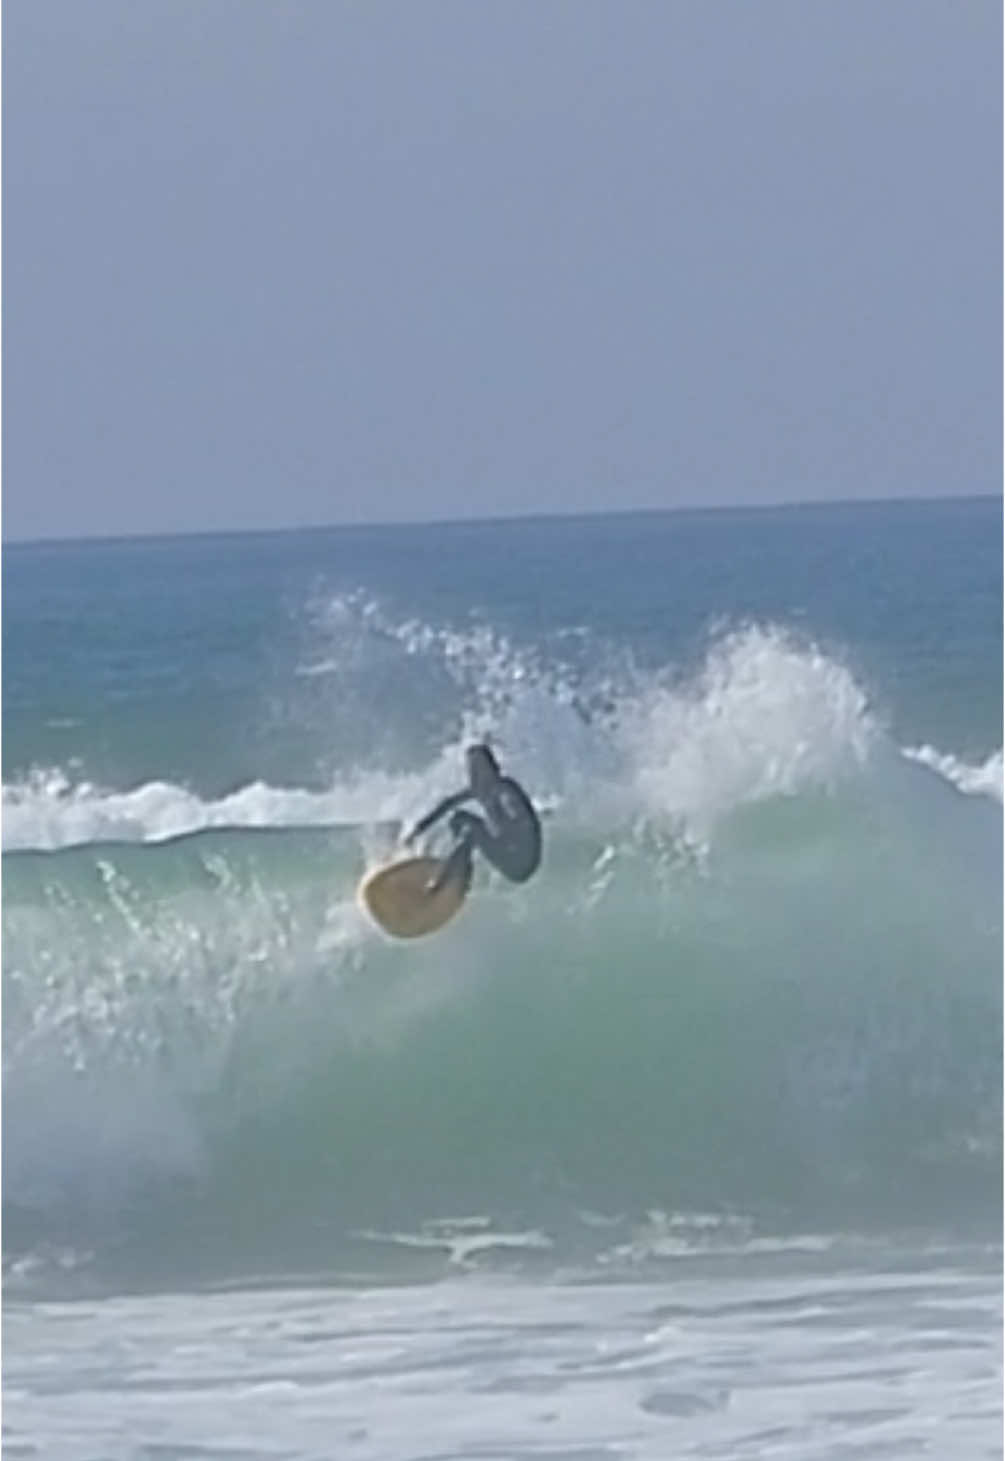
point(212, 1058)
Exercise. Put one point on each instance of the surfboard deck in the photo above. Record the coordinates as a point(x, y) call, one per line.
point(396, 897)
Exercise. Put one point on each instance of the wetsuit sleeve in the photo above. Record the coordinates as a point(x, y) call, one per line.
point(440, 810)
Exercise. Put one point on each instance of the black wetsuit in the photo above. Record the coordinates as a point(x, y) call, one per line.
point(509, 833)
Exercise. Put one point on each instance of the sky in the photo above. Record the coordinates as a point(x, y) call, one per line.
point(280, 262)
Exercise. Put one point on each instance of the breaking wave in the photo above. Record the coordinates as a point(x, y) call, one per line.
point(758, 975)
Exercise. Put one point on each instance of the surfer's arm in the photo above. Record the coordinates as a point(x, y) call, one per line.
point(440, 810)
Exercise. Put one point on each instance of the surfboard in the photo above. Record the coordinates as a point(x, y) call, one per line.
point(397, 897)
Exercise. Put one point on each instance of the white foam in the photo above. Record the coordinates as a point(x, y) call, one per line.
point(49, 811)
point(985, 779)
point(463, 1240)
point(765, 717)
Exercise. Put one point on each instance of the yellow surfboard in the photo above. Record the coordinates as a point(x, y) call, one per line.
point(397, 897)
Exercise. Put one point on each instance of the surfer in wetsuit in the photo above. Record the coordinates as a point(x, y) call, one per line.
point(508, 835)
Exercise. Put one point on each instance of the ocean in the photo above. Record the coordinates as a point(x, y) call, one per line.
point(690, 1147)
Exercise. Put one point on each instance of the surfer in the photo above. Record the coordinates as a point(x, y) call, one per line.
point(509, 834)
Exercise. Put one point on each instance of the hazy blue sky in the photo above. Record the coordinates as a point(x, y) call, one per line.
point(341, 260)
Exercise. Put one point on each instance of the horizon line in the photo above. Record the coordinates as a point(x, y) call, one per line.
point(494, 519)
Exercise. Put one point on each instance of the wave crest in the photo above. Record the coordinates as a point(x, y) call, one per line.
point(764, 715)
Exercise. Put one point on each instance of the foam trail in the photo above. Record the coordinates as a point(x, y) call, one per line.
point(49, 811)
point(985, 779)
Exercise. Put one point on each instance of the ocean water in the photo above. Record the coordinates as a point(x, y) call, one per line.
point(689, 1147)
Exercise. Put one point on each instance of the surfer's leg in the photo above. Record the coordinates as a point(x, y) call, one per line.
point(458, 866)
point(507, 851)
